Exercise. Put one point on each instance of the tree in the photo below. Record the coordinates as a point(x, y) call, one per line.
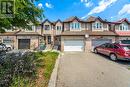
point(25, 12)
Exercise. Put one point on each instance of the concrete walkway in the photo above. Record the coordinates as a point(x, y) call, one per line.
point(91, 70)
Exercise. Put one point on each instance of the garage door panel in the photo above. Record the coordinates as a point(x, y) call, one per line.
point(24, 44)
point(73, 43)
point(73, 48)
point(76, 45)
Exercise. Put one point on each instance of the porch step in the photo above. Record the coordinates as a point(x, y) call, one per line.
point(48, 47)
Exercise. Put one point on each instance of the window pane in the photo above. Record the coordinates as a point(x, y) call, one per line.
point(78, 25)
point(75, 25)
point(125, 41)
point(47, 27)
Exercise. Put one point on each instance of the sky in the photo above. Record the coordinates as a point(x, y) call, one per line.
point(111, 10)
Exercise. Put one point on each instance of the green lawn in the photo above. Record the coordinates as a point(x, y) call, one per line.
point(33, 70)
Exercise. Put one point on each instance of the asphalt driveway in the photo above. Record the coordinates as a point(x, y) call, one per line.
point(90, 70)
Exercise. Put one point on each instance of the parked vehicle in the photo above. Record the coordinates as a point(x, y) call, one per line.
point(114, 50)
point(2, 53)
point(7, 46)
point(123, 42)
point(2, 48)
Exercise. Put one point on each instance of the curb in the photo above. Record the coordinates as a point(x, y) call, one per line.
point(53, 78)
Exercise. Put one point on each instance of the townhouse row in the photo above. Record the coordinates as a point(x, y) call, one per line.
point(72, 34)
point(75, 34)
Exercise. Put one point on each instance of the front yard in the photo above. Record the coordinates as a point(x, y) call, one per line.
point(33, 69)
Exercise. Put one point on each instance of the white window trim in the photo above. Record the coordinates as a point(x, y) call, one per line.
point(59, 27)
point(75, 29)
point(123, 25)
point(107, 27)
point(48, 29)
point(97, 29)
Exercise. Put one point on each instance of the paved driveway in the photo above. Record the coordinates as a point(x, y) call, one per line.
point(91, 70)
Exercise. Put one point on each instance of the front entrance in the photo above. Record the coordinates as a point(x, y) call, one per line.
point(73, 45)
point(23, 43)
point(49, 39)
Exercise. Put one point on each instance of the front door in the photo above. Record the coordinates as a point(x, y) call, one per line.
point(49, 39)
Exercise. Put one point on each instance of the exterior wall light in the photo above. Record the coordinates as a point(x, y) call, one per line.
point(86, 35)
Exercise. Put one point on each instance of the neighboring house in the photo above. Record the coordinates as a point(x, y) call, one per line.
point(57, 32)
point(8, 38)
point(122, 29)
point(48, 29)
point(22, 38)
point(52, 31)
point(27, 40)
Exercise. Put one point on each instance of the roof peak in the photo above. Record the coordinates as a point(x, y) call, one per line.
point(122, 20)
point(72, 18)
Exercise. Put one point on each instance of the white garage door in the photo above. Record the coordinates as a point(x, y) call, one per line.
point(73, 45)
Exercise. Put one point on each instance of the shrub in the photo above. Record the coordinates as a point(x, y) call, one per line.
point(22, 82)
point(21, 70)
point(14, 66)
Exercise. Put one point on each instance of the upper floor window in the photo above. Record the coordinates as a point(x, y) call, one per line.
point(58, 27)
point(75, 25)
point(47, 27)
point(97, 25)
point(123, 27)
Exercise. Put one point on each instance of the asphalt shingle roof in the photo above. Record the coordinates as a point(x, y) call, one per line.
point(92, 33)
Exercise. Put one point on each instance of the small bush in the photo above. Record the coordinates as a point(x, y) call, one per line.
point(21, 70)
point(22, 82)
point(23, 66)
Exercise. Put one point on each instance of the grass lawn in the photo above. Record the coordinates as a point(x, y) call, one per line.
point(31, 71)
point(44, 73)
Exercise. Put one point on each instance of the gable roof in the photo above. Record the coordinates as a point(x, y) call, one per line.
point(58, 21)
point(93, 19)
point(9, 33)
point(18, 33)
point(91, 33)
point(73, 18)
point(46, 20)
point(54, 23)
point(121, 21)
point(27, 33)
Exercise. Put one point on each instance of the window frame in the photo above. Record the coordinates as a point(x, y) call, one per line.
point(97, 25)
point(124, 27)
point(48, 28)
point(75, 26)
point(58, 28)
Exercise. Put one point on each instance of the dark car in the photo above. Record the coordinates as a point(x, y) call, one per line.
point(114, 50)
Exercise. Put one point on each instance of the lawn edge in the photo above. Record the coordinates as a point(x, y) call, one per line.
point(53, 78)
